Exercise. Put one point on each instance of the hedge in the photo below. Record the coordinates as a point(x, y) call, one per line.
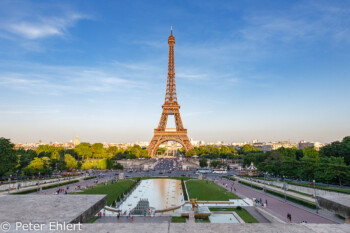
point(251, 185)
point(293, 199)
point(89, 178)
point(47, 187)
point(288, 197)
point(347, 191)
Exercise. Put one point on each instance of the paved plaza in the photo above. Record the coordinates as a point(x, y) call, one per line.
point(213, 228)
point(27, 209)
point(276, 206)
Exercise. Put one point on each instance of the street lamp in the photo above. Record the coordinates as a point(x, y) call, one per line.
point(39, 183)
point(9, 183)
point(315, 196)
point(284, 186)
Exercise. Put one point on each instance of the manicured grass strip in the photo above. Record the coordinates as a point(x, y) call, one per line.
point(244, 214)
point(47, 187)
point(202, 220)
point(89, 178)
point(251, 185)
point(178, 219)
point(290, 190)
point(305, 194)
point(290, 198)
point(293, 199)
point(113, 191)
point(184, 190)
point(92, 220)
point(203, 191)
point(339, 190)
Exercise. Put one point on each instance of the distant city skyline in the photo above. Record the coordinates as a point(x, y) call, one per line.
point(266, 70)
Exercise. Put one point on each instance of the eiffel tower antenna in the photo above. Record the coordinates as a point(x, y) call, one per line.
point(170, 107)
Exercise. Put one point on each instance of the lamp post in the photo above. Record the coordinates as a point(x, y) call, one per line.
point(315, 196)
point(9, 183)
point(39, 183)
point(284, 186)
point(265, 182)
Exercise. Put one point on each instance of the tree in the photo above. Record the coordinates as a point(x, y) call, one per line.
point(325, 172)
point(119, 166)
point(97, 150)
point(84, 150)
point(338, 149)
point(38, 165)
point(203, 162)
point(8, 158)
point(311, 153)
point(248, 148)
point(70, 161)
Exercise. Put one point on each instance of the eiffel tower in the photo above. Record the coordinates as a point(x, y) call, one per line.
point(170, 107)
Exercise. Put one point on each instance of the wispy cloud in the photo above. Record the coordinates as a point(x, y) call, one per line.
point(192, 76)
point(27, 22)
point(310, 20)
point(59, 80)
point(44, 26)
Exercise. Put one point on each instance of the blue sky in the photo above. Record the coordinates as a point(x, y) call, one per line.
point(267, 70)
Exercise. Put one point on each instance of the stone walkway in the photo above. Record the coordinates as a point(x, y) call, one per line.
point(275, 206)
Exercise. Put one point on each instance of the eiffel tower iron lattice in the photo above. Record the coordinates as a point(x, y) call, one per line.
point(170, 107)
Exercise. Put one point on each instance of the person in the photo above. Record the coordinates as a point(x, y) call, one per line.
point(104, 212)
point(261, 201)
point(99, 214)
point(289, 217)
point(266, 202)
point(118, 215)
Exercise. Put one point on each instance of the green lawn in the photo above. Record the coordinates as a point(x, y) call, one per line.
point(183, 220)
point(208, 192)
point(202, 220)
point(178, 219)
point(245, 215)
point(112, 190)
point(92, 220)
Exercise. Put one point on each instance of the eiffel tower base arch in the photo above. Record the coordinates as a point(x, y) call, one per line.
point(160, 138)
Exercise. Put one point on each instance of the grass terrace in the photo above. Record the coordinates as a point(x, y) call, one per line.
point(204, 190)
point(113, 191)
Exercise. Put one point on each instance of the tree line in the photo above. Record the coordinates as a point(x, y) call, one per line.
point(46, 158)
point(329, 165)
